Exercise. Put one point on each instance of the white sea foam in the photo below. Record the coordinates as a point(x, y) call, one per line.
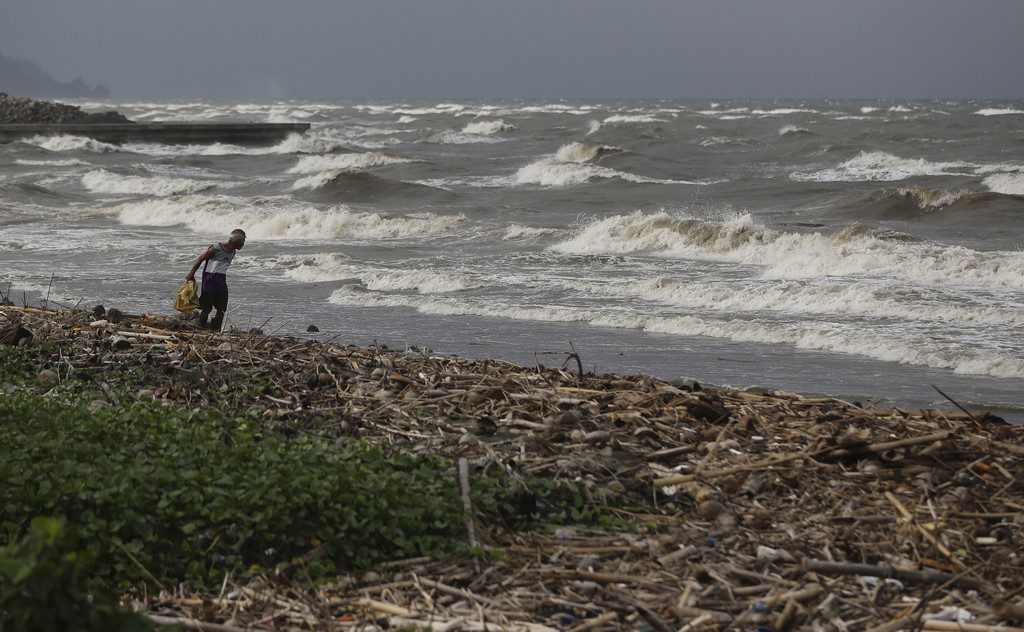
point(900, 108)
point(931, 198)
point(292, 144)
point(1008, 183)
point(869, 110)
point(518, 231)
point(793, 129)
point(906, 350)
point(998, 111)
point(345, 162)
point(51, 163)
point(778, 111)
point(632, 118)
point(488, 127)
point(854, 251)
point(791, 297)
point(272, 219)
point(552, 173)
point(324, 267)
point(594, 126)
point(103, 181)
point(578, 152)
point(461, 138)
point(67, 142)
point(882, 166)
point(405, 118)
point(568, 167)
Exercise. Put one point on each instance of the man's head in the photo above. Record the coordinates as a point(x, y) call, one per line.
point(237, 238)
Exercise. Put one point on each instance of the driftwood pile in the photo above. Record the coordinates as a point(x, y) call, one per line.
point(739, 510)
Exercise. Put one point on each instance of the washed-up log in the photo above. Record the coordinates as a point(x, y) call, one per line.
point(888, 572)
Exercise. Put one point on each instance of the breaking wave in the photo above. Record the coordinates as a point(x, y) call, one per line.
point(103, 181)
point(793, 130)
point(73, 162)
point(518, 231)
point(268, 218)
point(486, 128)
point(998, 111)
point(632, 118)
point(790, 297)
point(343, 162)
point(68, 142)
point(326, 267)
point(1006, 183)
point(905, 350)
point(567, 168)
point(854, 250)
point(882, 166)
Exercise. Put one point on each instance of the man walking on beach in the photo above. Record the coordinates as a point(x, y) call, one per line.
point(215, 262)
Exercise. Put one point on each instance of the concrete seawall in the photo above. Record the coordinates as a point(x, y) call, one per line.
point(184, 133)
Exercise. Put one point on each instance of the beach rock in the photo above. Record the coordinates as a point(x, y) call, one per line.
point(98, 311)
point(114, 315)
point(312, 329)
point(21, 110)
point(47, 375)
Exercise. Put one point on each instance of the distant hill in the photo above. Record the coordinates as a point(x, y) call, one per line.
point(25, 77)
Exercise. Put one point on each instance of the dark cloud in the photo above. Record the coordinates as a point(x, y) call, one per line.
point(525, 48)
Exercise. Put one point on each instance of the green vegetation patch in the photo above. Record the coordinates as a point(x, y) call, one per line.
point(192, 496)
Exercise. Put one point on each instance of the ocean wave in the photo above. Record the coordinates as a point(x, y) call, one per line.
point(73, 162)
point(518, 231)
point(789, 297)
point(921, 197)
point(998, 111)
point(325, 267)
point(292, 144)
point(882, 166)
point(632, 118)
point(594, 127)
point(270, 219)
point(869, 110)
point(103, 181)
point(461, 138)
point(855, 250)
point(1006, 183)
point(905, 350)
point(779, 111)
point(580, 152)
point(568, 167)
point(405, 118)
point(793, 130)
point(487, 128)
point(552, 173)
point(68, 142)
point(344, 162)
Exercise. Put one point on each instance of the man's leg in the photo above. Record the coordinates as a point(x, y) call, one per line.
point(204, 314)
point(217, 321)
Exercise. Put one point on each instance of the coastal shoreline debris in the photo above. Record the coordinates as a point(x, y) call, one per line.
point(727, 509)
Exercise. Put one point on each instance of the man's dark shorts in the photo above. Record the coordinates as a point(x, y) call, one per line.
point(210, 300)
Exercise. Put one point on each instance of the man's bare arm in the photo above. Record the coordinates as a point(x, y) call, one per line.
point(195, 266)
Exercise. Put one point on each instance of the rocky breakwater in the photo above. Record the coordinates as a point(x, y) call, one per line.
point(20, 110)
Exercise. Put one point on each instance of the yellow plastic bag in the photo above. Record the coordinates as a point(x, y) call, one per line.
point(187, 298)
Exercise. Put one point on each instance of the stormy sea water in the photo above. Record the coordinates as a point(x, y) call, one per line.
point(860, 249)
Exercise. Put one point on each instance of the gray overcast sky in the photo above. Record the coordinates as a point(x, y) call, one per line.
point(448, 49)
